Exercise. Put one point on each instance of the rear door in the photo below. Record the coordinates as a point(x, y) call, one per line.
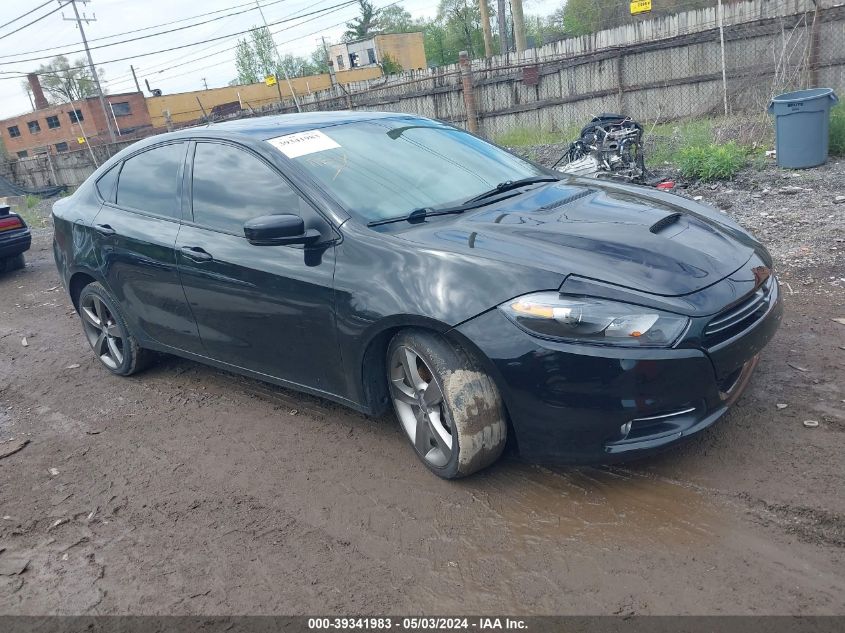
point(269, 309)
point(137, 228)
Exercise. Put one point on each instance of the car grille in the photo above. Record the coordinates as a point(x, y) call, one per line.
point(740, 316)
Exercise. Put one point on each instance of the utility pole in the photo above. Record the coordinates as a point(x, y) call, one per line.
point(279, 57)
point(503, 27)
point(484, 8)
point(518, 26)
point(135, 77)
point(205, 83)
point(93, 68)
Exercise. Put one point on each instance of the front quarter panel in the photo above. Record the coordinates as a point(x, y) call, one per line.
point(383, 282)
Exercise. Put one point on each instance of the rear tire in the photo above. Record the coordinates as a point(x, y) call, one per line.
point(105, 328)
point(448, 407)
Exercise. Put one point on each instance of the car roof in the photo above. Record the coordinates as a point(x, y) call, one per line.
point(266, 127)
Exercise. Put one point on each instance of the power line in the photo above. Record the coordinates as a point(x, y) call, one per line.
point(20, 17)
point(345, 3)
point(21, 28)
point(321, 29)
point(154, 68)
point(134, 39)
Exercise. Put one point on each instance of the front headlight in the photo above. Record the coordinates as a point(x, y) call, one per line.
point(587, 320)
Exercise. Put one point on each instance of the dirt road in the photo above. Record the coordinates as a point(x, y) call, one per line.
point(188, 490)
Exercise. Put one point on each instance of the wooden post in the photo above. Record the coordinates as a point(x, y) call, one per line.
point(620, 108)
point(469, 95)
point(813, 55)
point(485, 26)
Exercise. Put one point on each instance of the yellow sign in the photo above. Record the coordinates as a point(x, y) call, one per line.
point(640, 6)
point(270, 80)
point(80, 140)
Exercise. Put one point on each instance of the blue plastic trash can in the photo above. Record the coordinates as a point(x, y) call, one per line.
point(802, 121)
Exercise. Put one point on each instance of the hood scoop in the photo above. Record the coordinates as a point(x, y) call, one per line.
point(663, 223)
point(567, 199)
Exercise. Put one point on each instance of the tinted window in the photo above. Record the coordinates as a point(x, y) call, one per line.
point(34, 127)
point(14, 131)
point(53, 122)
point(231, 186)
point(105, 183)
point(75, 116)
point(150, 181)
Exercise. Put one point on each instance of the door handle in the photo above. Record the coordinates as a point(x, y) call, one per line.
point(196, 253)
point(104, 229)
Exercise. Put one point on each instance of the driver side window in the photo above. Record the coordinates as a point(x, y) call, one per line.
point(231, 186)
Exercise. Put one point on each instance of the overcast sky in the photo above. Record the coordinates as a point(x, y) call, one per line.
point(213, 61)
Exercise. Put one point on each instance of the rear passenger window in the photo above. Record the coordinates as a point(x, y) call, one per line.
point(150, 181)
point(105, 183)
point(231, 186)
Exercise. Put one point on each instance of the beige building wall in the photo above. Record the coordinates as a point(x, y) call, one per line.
point(184, 106)
point(408, 49)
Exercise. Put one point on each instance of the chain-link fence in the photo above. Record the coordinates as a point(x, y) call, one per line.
point(700, 63)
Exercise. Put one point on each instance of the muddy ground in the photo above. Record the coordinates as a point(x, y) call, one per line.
point(192, 491)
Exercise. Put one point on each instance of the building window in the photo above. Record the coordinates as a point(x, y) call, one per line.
point(354, 60)
point(340, 62)
point(75, 116)
point(22, 154)
point(34, 127)
point(14, 131)
point(61, 147)
point(121, 109)
point(53, 122)
point(371, 55)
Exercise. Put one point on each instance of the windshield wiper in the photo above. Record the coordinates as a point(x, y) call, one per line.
point(419, 215)
point(509, 185)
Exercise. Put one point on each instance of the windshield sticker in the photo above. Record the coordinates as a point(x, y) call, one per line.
point(302, 143)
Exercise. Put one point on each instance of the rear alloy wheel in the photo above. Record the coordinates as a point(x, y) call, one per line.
point(450, 410)
point(107, 333)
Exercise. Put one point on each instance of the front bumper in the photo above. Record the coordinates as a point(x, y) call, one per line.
point(14, 242)
point(568, 403)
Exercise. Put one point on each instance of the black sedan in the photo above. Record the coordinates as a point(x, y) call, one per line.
point(381, 259)
point(15, 240)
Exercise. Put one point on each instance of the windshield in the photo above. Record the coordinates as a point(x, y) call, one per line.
point(387, 168)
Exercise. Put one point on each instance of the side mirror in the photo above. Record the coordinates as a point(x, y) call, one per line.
point(279, 230)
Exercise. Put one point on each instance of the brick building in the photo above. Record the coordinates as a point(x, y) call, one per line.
point(60, 128)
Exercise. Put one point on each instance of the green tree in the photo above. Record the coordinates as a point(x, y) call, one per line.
point(64, 81)
point(363, 25)
point(389, 65)
point(395, 19)
point(245, 63)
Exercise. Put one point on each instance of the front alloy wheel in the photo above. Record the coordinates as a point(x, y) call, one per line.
point(419, 405)
point(449, 408)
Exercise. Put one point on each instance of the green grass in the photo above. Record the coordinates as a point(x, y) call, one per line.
point(526, 136)
point(837, 130)
point(712, 162)
point(665, 141)
point(32, 201)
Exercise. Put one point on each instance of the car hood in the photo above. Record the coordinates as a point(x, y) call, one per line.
point(618, 234)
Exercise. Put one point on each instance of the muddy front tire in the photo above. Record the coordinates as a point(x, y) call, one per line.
point(448, 407)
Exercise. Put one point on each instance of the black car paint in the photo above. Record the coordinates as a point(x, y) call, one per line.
point(319, 318)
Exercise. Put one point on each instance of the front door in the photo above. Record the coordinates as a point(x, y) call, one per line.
point(269, 309)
